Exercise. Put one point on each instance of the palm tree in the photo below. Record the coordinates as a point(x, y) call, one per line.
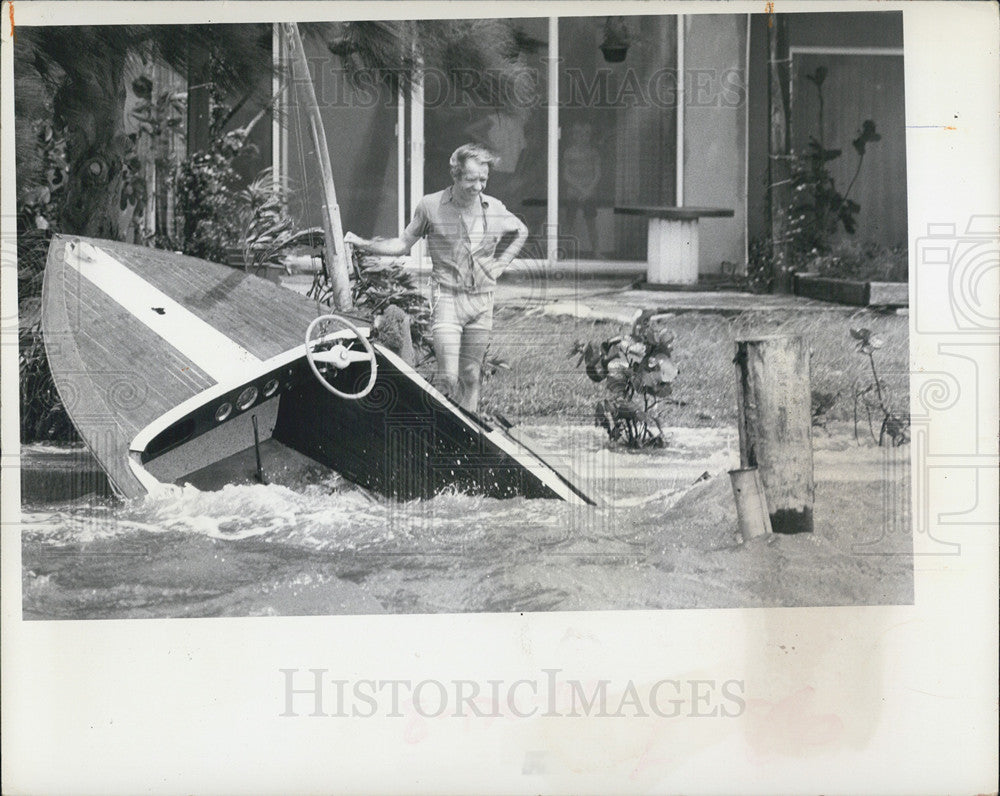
point(85, 69)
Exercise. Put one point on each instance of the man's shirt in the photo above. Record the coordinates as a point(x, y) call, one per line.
point(461, 258)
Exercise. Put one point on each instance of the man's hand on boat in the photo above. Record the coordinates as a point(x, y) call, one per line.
point(353, 240)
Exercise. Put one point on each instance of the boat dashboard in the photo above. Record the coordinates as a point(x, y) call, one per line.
point(225, 407)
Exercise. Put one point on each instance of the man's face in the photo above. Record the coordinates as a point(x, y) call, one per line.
point(472, 181)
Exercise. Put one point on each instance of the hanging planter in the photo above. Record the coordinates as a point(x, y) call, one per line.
point(617, 39)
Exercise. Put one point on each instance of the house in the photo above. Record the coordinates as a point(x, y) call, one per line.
point(606, 111)
point(681, 118)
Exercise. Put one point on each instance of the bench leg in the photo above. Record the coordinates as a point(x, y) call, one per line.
point(672, 252)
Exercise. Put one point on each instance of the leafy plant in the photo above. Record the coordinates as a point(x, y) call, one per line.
point(638, 372)
point(376, 286)
point(217, 218)
point(818, 208)
point(268, 232)
point(207, 189)
point(873, 397)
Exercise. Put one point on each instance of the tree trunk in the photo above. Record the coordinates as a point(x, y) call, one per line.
point(778, 150)
point(775, 422)
point(92, 110)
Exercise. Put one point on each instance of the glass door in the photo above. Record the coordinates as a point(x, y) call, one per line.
point(618, 121)
point(506, 115)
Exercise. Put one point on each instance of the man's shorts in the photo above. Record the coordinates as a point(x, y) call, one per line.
point(453, 309)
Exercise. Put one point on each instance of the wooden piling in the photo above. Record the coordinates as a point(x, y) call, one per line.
point(775, 423)
point(751, 504)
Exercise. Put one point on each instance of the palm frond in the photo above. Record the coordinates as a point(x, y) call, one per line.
point(392, 51)
point(240, 55)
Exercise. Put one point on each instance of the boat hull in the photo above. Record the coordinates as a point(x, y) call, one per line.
point(177, 370)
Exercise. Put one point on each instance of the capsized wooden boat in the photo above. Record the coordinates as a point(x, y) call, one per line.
point(177, 370)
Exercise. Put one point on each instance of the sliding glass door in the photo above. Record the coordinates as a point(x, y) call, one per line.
point(618, 121)
point(507, 115)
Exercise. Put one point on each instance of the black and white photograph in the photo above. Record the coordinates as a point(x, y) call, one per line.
point(417, 316)
point(483, 323)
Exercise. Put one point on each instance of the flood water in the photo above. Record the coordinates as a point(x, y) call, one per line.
point(330, 548)
point(664, 537)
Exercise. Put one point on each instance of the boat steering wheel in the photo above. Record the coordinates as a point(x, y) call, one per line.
point(338, 356)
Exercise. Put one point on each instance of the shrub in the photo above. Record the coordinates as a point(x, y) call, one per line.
point(874, 398)
point(638, 373)
point(268, 233)
point(866, 262)
point(207, 189)
point(818, 209)
point(378, 285)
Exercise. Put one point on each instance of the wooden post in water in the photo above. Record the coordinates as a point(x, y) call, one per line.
point(751, 504)
point(775, 421)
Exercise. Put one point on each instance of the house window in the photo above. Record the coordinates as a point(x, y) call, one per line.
point(612, 140)
point(510, 119)
point(618, 129)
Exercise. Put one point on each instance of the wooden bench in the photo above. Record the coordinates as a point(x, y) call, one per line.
point(672, 247)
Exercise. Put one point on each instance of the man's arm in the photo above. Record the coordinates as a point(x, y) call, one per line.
point(512, 224)
point(394, 247)
point(389, 247)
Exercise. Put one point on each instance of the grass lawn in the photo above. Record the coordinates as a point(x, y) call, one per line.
point(545, 385)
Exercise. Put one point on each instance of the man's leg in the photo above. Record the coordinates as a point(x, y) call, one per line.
point(447, 334)
point(475, 340)
point(447, 345)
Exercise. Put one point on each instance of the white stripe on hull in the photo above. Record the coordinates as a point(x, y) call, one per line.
point(205, 346)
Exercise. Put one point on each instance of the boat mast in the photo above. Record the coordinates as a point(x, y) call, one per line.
point(337, 268)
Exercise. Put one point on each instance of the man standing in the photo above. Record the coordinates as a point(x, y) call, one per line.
point(463, 226)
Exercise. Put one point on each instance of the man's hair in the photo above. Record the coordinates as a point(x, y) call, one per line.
point(468, 152)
